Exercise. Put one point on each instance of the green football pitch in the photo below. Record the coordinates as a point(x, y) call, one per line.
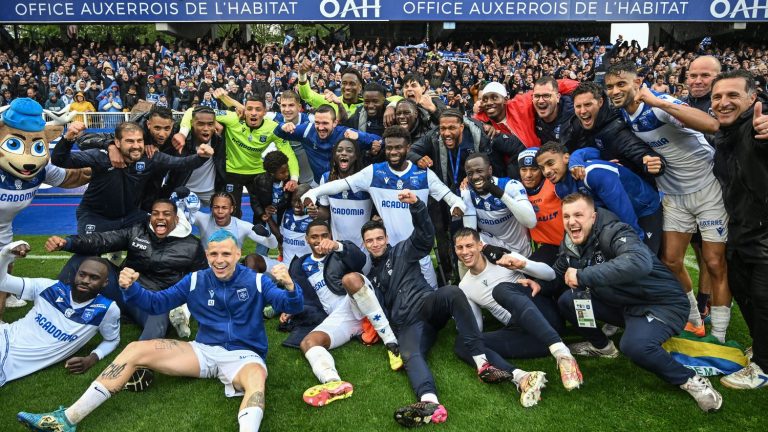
point(615, 396)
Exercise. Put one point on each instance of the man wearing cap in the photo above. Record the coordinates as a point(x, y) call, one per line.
point(514, 116)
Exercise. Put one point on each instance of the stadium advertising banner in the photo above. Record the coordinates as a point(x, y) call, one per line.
point(114, 11)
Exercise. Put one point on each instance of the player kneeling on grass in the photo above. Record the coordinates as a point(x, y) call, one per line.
point(615, 278)
point(497, 283)
point(63, 319)
point(227, 300)
point(321, 275)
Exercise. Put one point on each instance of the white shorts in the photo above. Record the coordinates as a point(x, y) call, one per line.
point(216, 362)
point(344, 323)
point(703, 208)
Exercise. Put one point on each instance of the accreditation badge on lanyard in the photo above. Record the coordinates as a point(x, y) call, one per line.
point(585, 315)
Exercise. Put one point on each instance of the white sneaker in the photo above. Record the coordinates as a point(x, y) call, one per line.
point(14, 302)
point(180, 320)
point(530, 388)
point(750, 377)
point(702, 391)
point(586, 349)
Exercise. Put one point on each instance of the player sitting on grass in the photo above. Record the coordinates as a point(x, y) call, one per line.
point(499, 286)
point(320, 275)
point(227, 300)
point(63, 319)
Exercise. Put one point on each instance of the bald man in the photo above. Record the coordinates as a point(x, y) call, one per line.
point(701, 72)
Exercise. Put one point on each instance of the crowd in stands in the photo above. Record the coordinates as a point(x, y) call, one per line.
point(114, 77)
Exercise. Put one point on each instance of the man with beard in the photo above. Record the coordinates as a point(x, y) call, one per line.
point(515, 116)
point(612, 186)
point(598, 132)
point(615, 278)
point(245, 141)
point(227, 300)
point(320, 275)
point(158, 127)
point(113, 196)
point(369, 117)
point(497, 207)
point(692, 194)
point(64, 318)
point(740, 165)
point(553, 111)
point(443, 150)
point(384, 181)
point(163, 250)
point(416, 311)
point(319, 137)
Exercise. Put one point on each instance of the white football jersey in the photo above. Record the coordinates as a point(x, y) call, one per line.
point(54, 329)
point(313, 269)
point(238, 227)
point(495, 221)
point(349, 211)
point(384, 184)
point(17, 194)
point(294, 231)
point(688, 156)
point(479, 289)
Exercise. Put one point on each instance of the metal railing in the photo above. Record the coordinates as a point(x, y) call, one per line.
point(104, 120)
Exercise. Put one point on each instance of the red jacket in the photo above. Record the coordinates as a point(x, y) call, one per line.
point(521, 115)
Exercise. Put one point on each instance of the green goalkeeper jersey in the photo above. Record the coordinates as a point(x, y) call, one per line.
point(245, 145)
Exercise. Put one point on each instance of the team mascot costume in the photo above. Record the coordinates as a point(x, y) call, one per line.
point(24, 162)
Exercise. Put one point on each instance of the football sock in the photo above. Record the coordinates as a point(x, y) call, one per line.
point(720, 318)
point(249, 419)
point(480, 360)
point(322, 364)
point(429, 397)
point(701, 302)
point(694, 317)
point(96, 395)
point(517, 375)
point(560, 349)
point(366, 301)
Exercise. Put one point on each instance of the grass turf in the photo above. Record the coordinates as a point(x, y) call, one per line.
point(616, 395)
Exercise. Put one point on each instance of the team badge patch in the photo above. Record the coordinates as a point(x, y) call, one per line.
point(69, 312)
point(399, 184)
point(140, 166)
point(230, 188)
point(242, 294)
point(87, 315)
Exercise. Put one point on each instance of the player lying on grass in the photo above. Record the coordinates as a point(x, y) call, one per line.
point(63, 319)
point(227, 300)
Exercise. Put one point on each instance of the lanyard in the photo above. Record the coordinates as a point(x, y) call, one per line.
point(455, 166)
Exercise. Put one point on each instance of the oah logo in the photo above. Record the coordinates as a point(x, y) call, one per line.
point(738, 9)
point(357, 8)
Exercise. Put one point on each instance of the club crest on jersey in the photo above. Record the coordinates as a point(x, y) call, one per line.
point(140, 166)
point(69, 312)
point(599, 258)
point(87, 315)
point(345, 194)
point(487, 206)
point(230, 188)
point(18, 184)
point(399, 184)
point(242, 294)
point(263, 139)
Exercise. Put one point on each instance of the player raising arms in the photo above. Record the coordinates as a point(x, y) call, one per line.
point(227, 300)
